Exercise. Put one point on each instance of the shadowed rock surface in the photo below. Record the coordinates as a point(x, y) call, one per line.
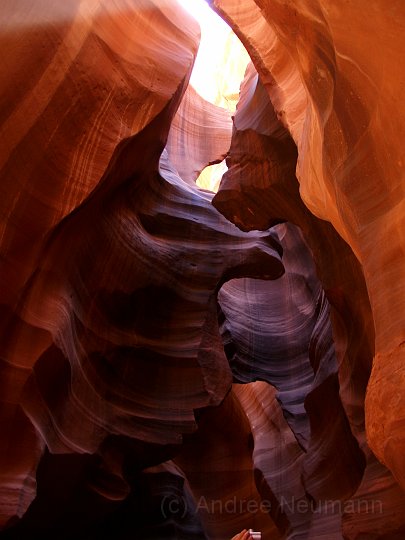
point(332, 75)
point(175, 364)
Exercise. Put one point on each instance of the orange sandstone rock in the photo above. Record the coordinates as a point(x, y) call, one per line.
point(333, 72)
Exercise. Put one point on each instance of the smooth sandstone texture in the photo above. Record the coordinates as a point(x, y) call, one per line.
point(259, 190)
point(110, 262)
point(217, 460)
point(163, 372)
point(282, 335)
point(333, 73)
point(72, 90)
point(320, 480)
point(74, 85)
point(200, 135)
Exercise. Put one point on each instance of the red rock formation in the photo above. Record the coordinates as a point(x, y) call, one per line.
point(110, 277)
point(260, 187)
point(293, 460)
point(281, 334)
point(200, 135)
point(69, 81)
point(217, 460)
point(333, 74)
point(117, 361)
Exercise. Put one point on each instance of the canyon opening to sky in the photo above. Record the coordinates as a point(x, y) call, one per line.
point(189, 349)
point(218, 72)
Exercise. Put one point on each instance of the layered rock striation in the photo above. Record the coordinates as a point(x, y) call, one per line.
point(200, 135)
point(332, 75)
point(110, 266)
point(176, 364)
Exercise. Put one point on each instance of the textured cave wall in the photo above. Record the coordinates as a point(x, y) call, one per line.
point(258, 190)
point(110, 262)
point(68, 99)
point(200, 135)
point(217, 460)
point(306, 456)
point(332, 72)
point(280, 333)
point(117, 360)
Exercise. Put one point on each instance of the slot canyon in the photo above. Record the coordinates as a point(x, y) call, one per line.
point(184, 358)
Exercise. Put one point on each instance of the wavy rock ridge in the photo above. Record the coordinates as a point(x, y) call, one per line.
point(181, 365)
point(321, 64)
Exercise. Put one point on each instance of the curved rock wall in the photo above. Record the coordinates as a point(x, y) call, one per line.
point(331, 70)
point(117, 361)
point(69, 83)
point(307, 460)
point(259, 190)
point(200, 135)
point(110, 262)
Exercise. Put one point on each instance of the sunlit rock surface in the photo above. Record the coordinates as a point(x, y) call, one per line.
point(334, 75)
point(216, 76)
point(200, 135)
point(259, 190)
point(175, 365)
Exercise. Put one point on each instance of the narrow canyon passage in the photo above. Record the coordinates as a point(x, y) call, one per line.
point(202, 271)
